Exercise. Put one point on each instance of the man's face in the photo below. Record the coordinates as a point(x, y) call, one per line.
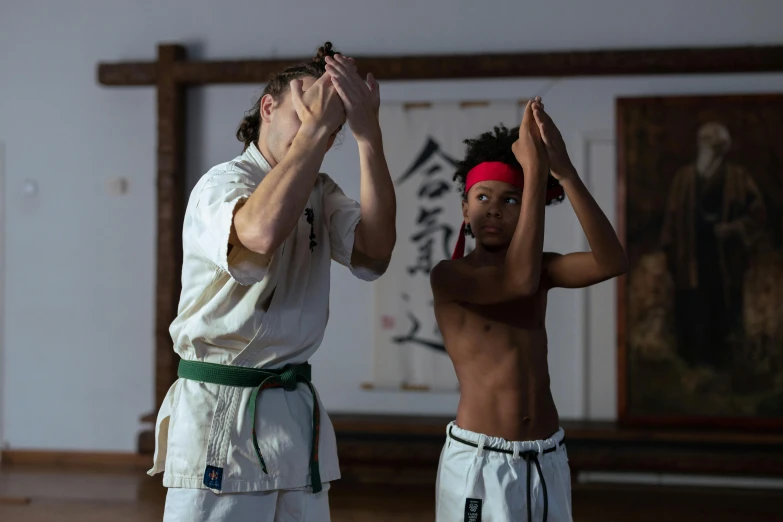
point(281, 123)
point(709, 137)
point(712, 146)
point(492, 209)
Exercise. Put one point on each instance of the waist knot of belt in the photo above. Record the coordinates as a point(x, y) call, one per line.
point(287, 378)
point(530, 456)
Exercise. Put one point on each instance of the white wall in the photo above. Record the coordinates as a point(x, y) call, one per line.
point(80, 262)
point(2, 288)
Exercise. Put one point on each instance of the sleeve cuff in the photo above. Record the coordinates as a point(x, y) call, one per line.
point(360, 272)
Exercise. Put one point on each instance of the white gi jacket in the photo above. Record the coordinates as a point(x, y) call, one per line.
point(235, 310)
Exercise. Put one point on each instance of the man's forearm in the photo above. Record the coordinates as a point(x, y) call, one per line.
point(376, 233)
point(601, 236)
point(271, 212)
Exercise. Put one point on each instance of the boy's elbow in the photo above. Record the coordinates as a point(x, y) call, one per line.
point(623, 268)
point(620, 266)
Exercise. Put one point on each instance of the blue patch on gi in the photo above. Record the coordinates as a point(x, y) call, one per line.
point(213, 477)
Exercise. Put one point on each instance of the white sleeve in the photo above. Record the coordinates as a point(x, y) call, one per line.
point(209, 225)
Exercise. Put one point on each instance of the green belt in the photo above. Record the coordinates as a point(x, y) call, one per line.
point(286, 378)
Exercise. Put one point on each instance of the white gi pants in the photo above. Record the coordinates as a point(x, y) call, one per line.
point(290, 505)
point(489, 479)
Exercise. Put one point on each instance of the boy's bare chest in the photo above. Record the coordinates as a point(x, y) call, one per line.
point(526, 313)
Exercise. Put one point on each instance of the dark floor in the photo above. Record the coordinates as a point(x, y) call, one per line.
point(67, 494)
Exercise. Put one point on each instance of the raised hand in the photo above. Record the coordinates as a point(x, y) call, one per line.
point(529, 149)
point(362, 100)
point(559, 162)
point(320, 105)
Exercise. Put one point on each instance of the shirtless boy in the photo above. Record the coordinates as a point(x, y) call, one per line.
point(504, 458)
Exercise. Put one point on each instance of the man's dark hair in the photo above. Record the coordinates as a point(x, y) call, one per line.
point(496, 146)
point(278, 86)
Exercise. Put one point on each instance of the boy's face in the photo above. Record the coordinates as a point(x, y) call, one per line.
point(492, 209)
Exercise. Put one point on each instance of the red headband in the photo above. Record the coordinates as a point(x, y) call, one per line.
point(495, 171)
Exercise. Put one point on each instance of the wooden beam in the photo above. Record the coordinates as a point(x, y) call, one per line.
point(171, 209)
point(127, 73)
point(223, 72)
point(475, 66)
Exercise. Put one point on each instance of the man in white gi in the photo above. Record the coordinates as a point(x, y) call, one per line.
point(241, 434)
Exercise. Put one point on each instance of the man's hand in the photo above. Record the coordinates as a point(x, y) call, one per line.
point(559, 162)
point(320, 106)
point(362, 100)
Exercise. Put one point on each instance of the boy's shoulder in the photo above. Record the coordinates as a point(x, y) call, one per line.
point(449, 264)
point(447, 272)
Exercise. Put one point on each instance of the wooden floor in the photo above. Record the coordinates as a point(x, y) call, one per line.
point(36, 494)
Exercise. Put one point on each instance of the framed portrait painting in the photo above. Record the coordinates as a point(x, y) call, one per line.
point(700, 210)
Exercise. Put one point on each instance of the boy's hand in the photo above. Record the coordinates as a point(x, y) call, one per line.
point(529, 149)
point(559, 162)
